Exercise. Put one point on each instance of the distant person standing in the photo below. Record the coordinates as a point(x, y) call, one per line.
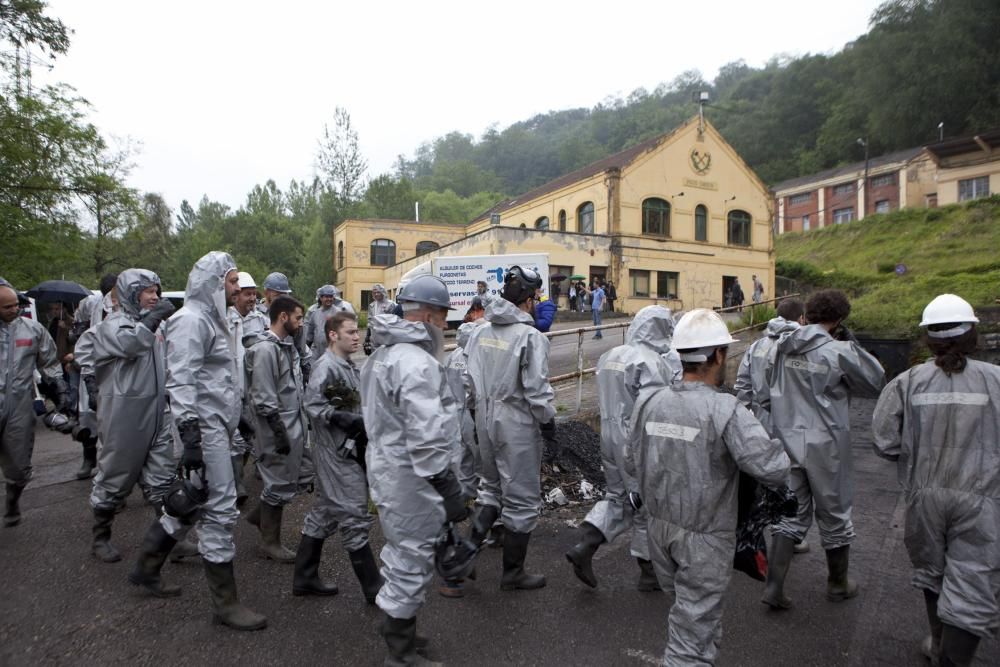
point(737, 297)
point(758, 290)
point(597, 298)
point(572, 296)
point(612, 294)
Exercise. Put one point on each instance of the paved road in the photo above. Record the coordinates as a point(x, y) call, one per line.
point(60, 606)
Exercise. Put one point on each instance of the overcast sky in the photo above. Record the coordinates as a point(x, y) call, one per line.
point(224, 95)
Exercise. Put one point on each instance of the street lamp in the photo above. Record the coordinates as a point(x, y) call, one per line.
point(864, 142)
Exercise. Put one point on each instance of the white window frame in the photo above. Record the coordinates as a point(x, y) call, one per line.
point(974, 188)
point(842, 215)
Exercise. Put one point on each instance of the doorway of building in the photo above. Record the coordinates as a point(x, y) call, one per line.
point(597, 273)
point(727, 290)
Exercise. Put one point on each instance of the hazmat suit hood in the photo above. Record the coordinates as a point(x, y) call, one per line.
point(464, 333)
point(389, 329)
point(86, 308)
point(779, 325)
point(206, 290)
point(130, 283)
point(653, 326)
point(502, 311)
point(804, 339)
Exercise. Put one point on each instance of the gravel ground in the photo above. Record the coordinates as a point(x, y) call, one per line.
point(577, 471)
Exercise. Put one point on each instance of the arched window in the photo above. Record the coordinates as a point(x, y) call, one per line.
point(739, 227)
point(523, 226)
point(424, 247)
point(562, 221)
point(700, 223)
point(585, 218)
point(655, 217)
point(383, 252)
point(542, 223)
point(340, 255)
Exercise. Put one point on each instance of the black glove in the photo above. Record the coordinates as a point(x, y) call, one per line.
point(306, 366)
point(367, 345)
point(350, 423)
point(57, 391)
point(161, 311)
point(245, 428)
point(90, 382)
point(190, 434)
point(446, 484)
point(281, 444)
point(360, 447)
point(844, 334)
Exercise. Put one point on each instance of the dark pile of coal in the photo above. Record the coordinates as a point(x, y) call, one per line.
point(577, 470)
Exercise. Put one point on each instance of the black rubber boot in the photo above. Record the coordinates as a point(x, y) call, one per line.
point(582, 553)
point(838, 586)
point(366, 570)
point(89, 464)
point(156, 546)
point(482, 522)
point(648, 583)
point(12, 513)
point(102, 547)
point(515, 550)
point(253, 516)
point(241, 489)
point(495, 540)
point(931, 645)
point(958, 646)
point(778, 561)
point(401, 639)
point(270, 534)
point(306, 579)
point(227, 609)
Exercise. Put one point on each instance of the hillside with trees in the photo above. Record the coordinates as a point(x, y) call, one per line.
point(66, 208)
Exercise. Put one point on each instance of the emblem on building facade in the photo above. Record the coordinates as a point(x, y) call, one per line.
point(701, 161)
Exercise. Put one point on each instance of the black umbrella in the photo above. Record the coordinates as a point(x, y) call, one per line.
point(557, 277)
point(52, 291)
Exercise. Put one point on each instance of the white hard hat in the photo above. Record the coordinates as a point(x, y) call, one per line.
point(246, 280)
point(697, 331)
point(949, 309)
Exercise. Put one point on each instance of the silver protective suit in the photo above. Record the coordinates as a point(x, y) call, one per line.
point(689, 443)
point(466, 461)
point(314, 324)
point(133, 422)
point(202, 385)
point(412, 423)
point(509, 367)
point(622, 373)
point(751, 378)
point(945, 432)
point(25, 346)
point(274, 386)
point(342, 493)
point(250, 326)
point(88, 312)
point(810, 378)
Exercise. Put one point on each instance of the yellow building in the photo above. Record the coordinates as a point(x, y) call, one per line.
point(674, 220)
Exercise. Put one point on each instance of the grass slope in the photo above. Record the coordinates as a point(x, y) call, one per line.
point(950, 249)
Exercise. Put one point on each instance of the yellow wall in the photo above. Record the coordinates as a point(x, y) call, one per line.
point(948, 178)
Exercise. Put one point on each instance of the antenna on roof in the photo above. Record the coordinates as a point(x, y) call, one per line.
point(416, 211)
point(702, 101)
point(941, 131)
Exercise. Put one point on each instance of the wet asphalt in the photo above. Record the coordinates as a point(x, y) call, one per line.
point(60, 606)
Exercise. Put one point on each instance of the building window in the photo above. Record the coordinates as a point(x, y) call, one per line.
point(739, 227)
point(882, 206)
point(366, 299)
point(805, 223)
point(973, 188)
point(666, 284)
point(585, 218)
point(523, 226)
point(383, 252)
point(640, 282)
point(700, 223)
point(542, 223)
point(655, 217)
point(803, 198)
point(562, 221)
point(883, 180)
point(842, 215)
point(843, 189)
point(340, 254)
point(424, 247)
point(494, 218)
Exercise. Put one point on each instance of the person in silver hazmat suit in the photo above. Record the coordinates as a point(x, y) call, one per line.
point(622, 373)
point(411, 418)
point(466, 455)
point(941, 421)
point(205, 406)
point(688, 444)
point(328, 303)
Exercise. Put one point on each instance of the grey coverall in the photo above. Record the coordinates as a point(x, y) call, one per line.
point(314, 324)
point(751, 378)
point(688, 443)
point(274, 385)
point(945, 432)
point(342, 500)
point(509, 367)
point(466, 462)
point(622, 373)
point(810, 379)
point(202, 385)
point(25, 345)
point(412, 422)
point(133, 423)
point(250, 326)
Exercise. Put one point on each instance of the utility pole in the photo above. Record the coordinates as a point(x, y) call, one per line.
point(864, 185)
